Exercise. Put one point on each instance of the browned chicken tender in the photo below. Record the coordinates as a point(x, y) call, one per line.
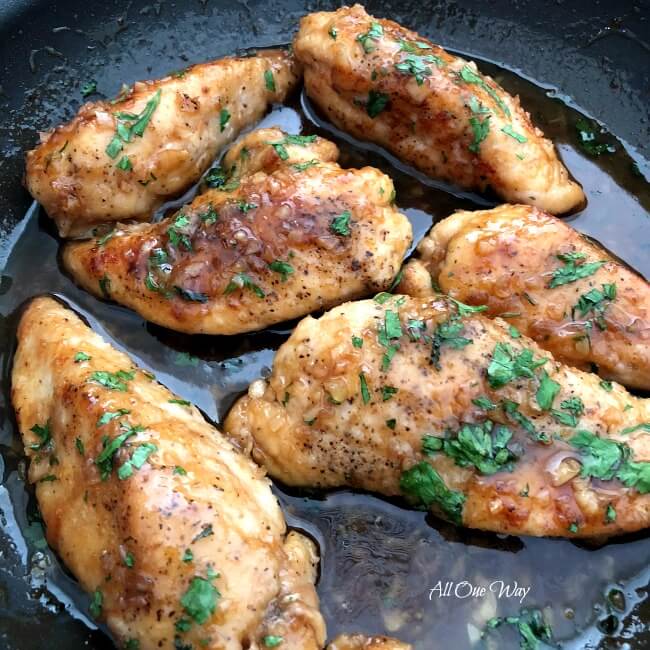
point(431, 400)
point(358, 642)
point(384, 83)
point(176, 534)
point(551, 283)
point(121, 159)
point(287, 232)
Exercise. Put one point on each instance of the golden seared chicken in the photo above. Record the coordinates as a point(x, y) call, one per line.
point(384, 83)
point(454, 411)
point(546, 279)
point(287, 232)
point(122, 159)
point(175, 533)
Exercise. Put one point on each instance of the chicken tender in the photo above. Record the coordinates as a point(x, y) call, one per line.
point(284, 231)
point(384, 83)
point(551, 283)
point(431, 400)
point(176, 534)
point(121, 159)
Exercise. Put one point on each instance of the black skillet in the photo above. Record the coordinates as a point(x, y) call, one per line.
point(379, 560)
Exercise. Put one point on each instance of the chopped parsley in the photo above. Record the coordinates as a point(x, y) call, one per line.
point(644, 426)
point(81, 356)
point(129, 560)
point(389, 331)
point(426, 487)
point(506, 365)
point(333, 32)
point(180, 402)
point(300, 140)
point(484, 402)
point(596, 302)
point(513, 331)
point(96, 602)
point(224, 118)
point(606, 385)
point(480, 130)
point(357, 341)
point(574, 268)
point(89, 88)
point(589, 139)
point(416, 65)
point(181, 471)
point(508, 130)
point(269, 80)
point(78, 443)
point(188, 556)
point(547, 391)
point(391, 423)
point(272, 641)
point(177, 238)
point(206, 531)
point(413, 47)
point(200, 600)
point(107, 416)
point(376, 103)
point(610, 514)
point(447, 333)
point(511, 409)
point(466, 310)
point(301, 167)
point(138, 459)
point(125, 164)
point(375, 32)
point(105, 286)
point(365, 393)
point(283, 268)
point(468, 75)
point(341, 225)
point(483, 446)
point(113, 380)
point(105, 459)
point(534, 632)
point(130, 124)
point(43, 432)
point(387, 392)
point(243, 281)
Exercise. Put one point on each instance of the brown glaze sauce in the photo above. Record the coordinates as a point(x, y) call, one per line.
point(379, 559)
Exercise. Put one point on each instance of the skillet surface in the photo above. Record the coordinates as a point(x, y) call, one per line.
point(597, 55)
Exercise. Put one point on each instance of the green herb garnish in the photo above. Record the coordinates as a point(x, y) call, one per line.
point(341, 225)
point(423, 484)
point(269, 80)
point(365, 393)
point(224, 118)
point(546, 392)
point(469, 76)
point(111, 415)
point(283, 268)
point(375, 32)
point(508, 130)
point(575, 268)
point(506, 365)
point(113, 380)
point(81, 356)
point(376, 103)
point(243, 281)
point(200, 600)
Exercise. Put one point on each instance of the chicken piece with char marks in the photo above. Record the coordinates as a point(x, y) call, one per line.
point(384, 83)
point(285, 231)
point(550, 282)
point(119, 160)
point(459, 413)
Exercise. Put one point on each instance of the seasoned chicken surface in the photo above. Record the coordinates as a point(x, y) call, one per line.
point(384, 83)
point(433, 401)
point(287, 232)
point(122, 159)
point(175, 533)
point(358, 642)
point(577, 301)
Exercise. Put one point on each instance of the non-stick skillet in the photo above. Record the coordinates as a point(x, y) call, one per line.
point(381, 564)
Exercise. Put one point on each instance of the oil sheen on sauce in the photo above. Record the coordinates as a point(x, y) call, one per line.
point(385, 568)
